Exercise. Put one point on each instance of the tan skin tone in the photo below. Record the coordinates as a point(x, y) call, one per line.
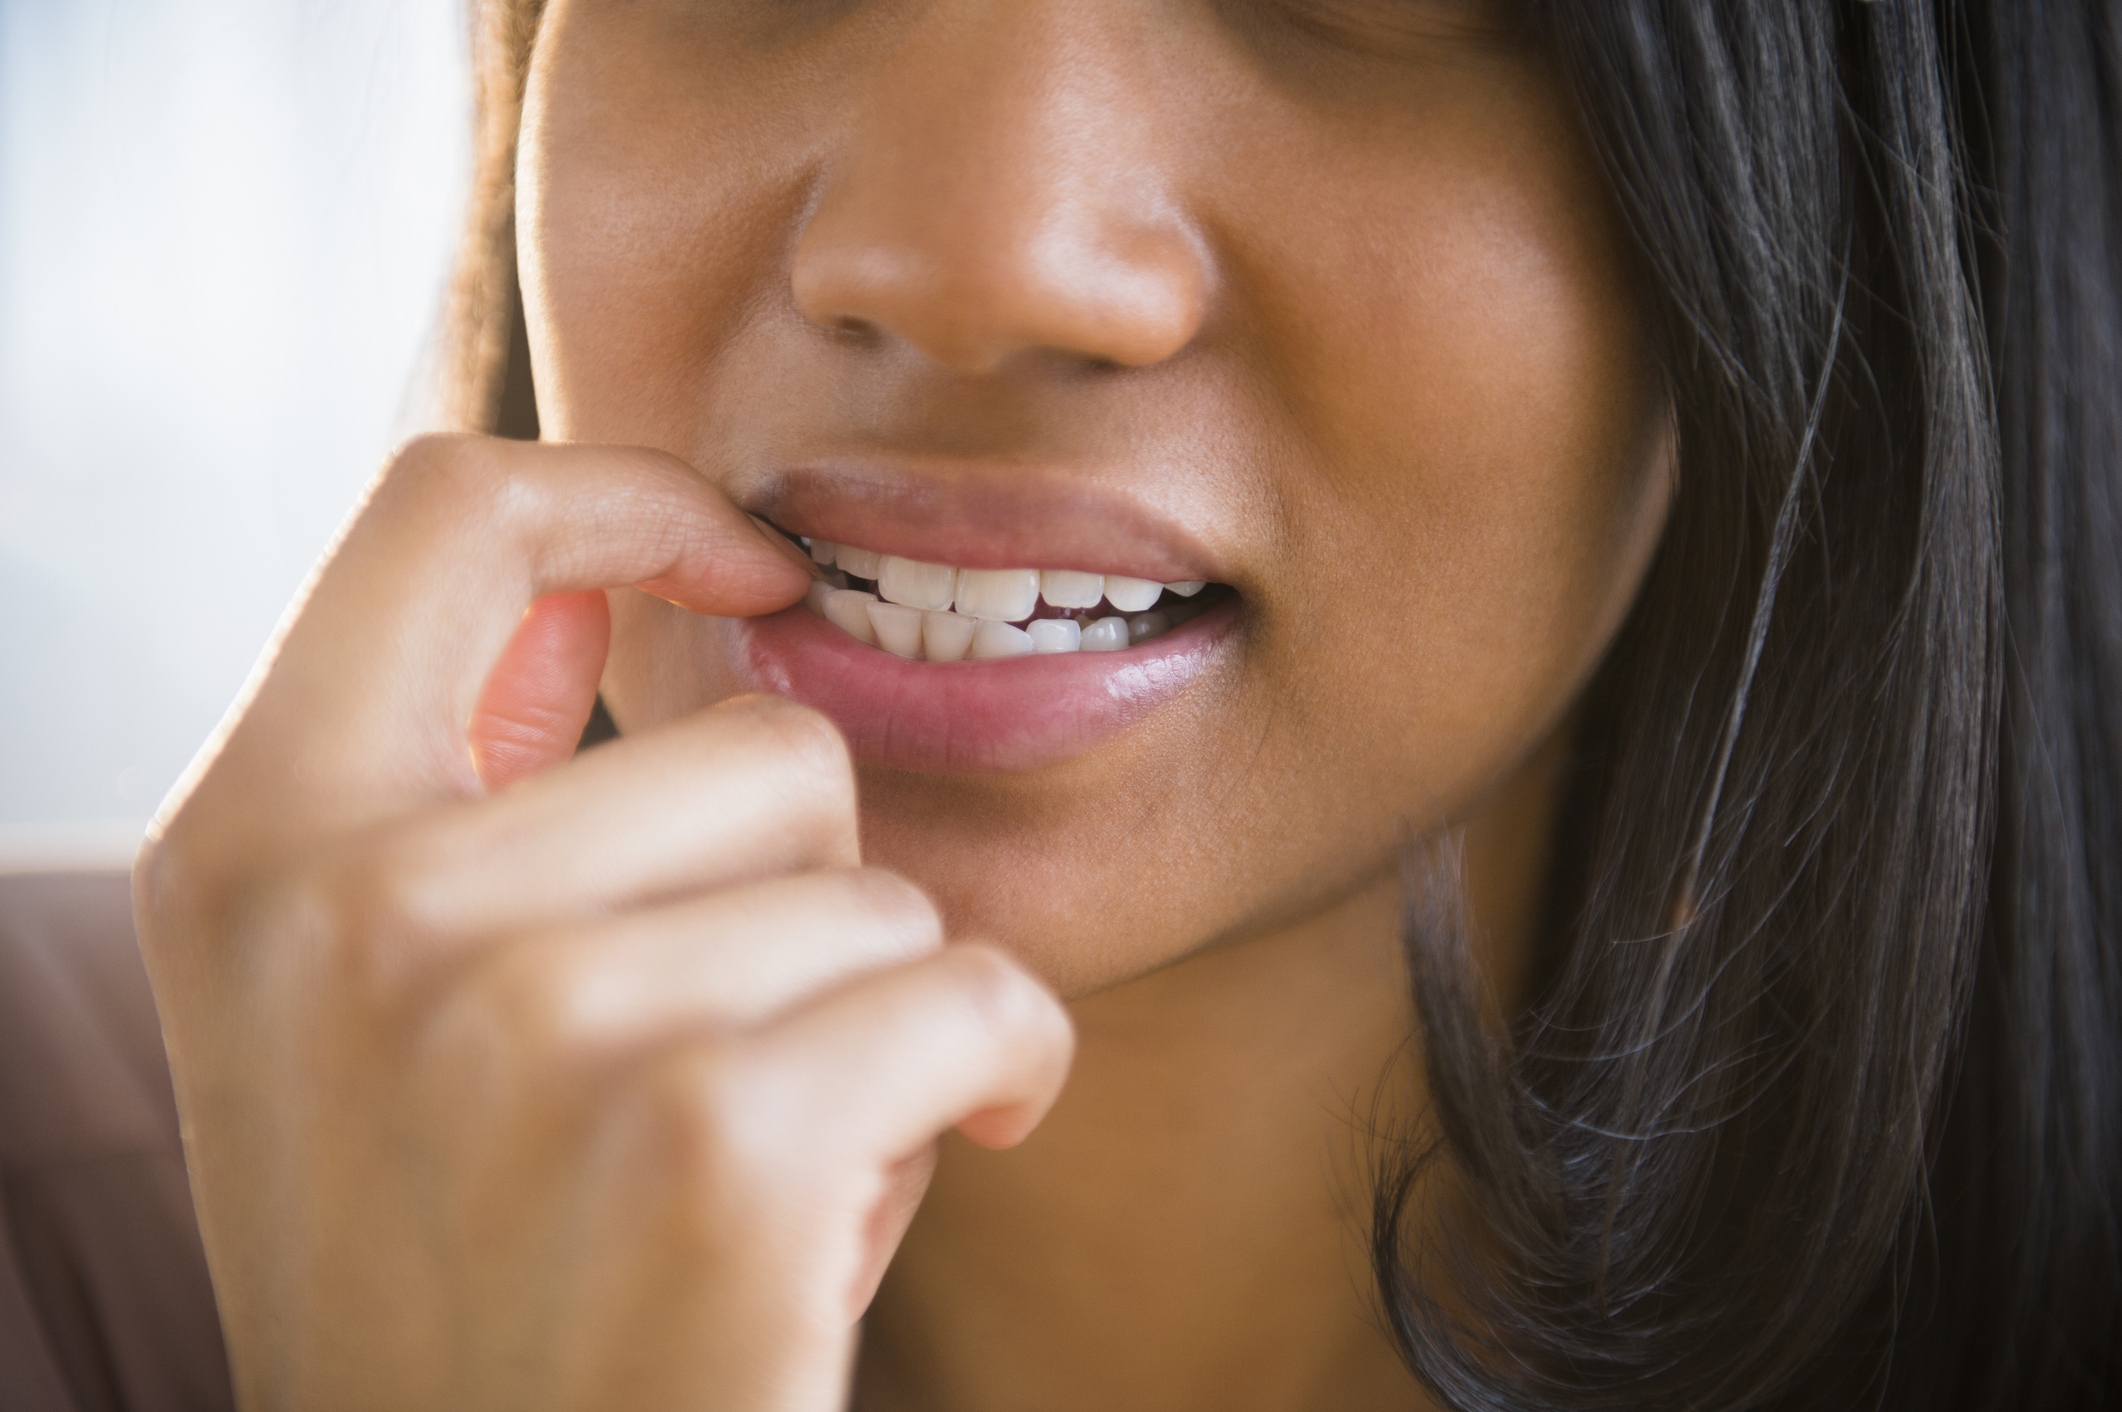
point(615, 1087)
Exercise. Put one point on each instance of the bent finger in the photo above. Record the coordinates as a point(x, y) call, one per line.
point(362, 712)
point(964, 1038)
point(644, 979)
point(751, 788)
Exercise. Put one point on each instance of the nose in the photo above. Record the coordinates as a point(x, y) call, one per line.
point(1002, 191)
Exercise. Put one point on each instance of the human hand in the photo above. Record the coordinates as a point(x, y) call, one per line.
point(612, 1088)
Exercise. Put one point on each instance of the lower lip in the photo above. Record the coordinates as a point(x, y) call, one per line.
point(1014, 713)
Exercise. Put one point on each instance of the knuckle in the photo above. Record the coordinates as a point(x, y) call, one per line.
point(901, 908)
point(518, 1009)
point(416, 455)
point(799, 738)
point(812, 770)
point(456, 470)
point(369, 900)
point(688, 1129)
point(703, 1113)
point(193, 888)
point(173, 892)
point(996, 991)
point(374, 884)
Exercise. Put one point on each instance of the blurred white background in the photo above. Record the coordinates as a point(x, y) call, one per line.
point(225, 230)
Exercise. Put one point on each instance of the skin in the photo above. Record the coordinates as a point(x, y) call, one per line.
point(521, 1082)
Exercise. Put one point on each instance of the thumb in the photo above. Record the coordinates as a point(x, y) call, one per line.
point(540, 693)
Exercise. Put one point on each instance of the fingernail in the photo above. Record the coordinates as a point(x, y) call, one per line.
point(792, 551)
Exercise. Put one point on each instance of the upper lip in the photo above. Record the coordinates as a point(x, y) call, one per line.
point(979, 516)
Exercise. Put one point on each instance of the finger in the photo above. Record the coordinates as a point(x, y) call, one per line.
point(885, 1224)
point(965, 1038)
point(642, 980)
point(539, 695)
point(748, 789)
point(361, 715)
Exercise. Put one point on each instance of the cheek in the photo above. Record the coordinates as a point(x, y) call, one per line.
point(1486, 471)
point(638, 237)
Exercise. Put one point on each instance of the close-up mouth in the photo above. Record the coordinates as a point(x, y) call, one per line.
point(970, 668)
point(943, 613)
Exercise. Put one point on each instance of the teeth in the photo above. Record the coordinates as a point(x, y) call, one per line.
point(862, 563)
point(947, 637)
point(848, 610)
point(916, 584)
point(1105, 635)
point(910, 613)
point(1131, 595)
point(1065, 588)
point(1139, 627)
point(1055, 635)
point(993, 639)
point(898, 628)
point(1002, 595)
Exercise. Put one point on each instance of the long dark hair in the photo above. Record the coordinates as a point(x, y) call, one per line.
point(1820, 1101)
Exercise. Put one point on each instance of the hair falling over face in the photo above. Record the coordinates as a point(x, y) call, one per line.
point(1819, 1101)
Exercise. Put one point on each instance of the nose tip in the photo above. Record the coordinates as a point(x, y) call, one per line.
point(972, 300)
point(972, 289)
point(1006, 186)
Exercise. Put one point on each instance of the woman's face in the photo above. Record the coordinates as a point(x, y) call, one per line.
point(1322, 300)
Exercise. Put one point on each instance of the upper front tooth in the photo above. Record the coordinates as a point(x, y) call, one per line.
point(862, 563)
point(1067, 588)
point(1000, 595)
point(1188, 588)
point(1129, 595)
point(915, 584)
point(821, 550)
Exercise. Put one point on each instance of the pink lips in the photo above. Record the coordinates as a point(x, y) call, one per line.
point(1016, 713)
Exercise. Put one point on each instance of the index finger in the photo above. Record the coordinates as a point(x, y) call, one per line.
point(359, 712)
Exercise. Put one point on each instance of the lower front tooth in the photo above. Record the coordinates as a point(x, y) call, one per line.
point(1056, 635)
point(1105, 635)
point(814, 597)
point(1146, 625)
point(945, 637)
point(898, 628)
point(993, 639)
point(848, 610)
